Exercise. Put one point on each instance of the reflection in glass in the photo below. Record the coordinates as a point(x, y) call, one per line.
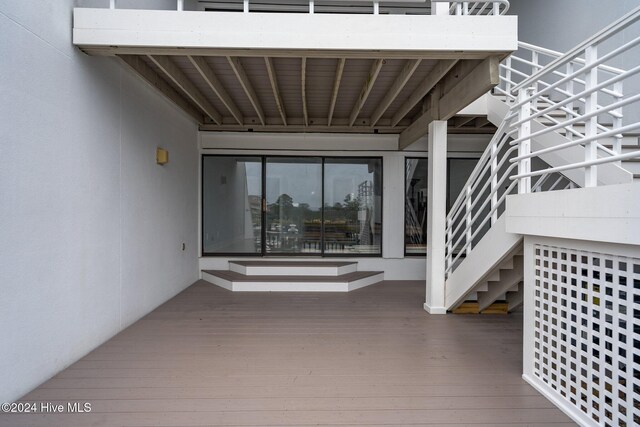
point(415, 216)
point(294, 201)
point(231, 202)
point(352, 206)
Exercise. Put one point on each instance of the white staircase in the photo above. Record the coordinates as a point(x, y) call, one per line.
point(292, 276)
point(561, 125)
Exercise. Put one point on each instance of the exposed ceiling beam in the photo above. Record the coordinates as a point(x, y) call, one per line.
point(174, 73)
point(154, 79)
point(401, 80)
point(214, 83)
point(303, 84)
point(462, 120)
point(336, 87)
point(366, 89)
point(238, 69)
point(482, 122)
point(434, 76)
point(457, 91)
point(271, 71)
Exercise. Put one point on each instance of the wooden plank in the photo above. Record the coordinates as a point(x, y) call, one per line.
point(154, 79)
point(458, 91)
point(172, 71)
point(428, 83)
point(214, 83)
point(401, 80)
point(271, 71)
point(303, 84)
point(336, 88)
point(213, 357)
point(376, 66)
point(460, 121)
point(238, 69)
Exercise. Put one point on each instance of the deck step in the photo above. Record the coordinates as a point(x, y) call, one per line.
point(238, 282)
point(292, 268)
point(473, 307)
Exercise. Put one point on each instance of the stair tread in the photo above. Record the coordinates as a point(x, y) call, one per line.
point(238, 277)
point(292, 263)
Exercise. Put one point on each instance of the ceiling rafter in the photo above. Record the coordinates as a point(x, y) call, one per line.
point(376, 66)
point(271, 71)
point(178, 77)
point(214, 83)
point(432, 78)
point(336, 87)
point(410, 66)
point(240, 73)
point(156, 80)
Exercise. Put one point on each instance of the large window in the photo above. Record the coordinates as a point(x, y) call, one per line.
point(291, 206)
point(415, 212)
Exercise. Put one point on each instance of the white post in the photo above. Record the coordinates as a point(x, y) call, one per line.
point(494, 182)
point(376, 7)
point(112, 4)
point(245, 6)
point(180, 5)
point(591, 129)
point(439, 8)
point(436, 217)
point(312, 7)
point(524, 165)
point(529, 307)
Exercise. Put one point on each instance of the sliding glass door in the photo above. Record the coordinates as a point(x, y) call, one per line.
point(293, 205)
point(289, 206)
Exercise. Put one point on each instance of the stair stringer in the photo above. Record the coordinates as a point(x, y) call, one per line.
point(490, 253)
point(608, 173)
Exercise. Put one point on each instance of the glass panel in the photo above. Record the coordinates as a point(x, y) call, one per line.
point(415, 214)
point(294, 200)
point(459, 171)
point(231, 202)
point(352, 206)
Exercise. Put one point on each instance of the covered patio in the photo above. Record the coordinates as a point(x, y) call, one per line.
point(369, 357)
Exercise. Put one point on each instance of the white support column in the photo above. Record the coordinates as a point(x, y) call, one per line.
point(524, 148)
point(436, 217)
point(440, 8)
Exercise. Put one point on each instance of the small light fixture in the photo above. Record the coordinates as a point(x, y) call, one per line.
point(162, 156)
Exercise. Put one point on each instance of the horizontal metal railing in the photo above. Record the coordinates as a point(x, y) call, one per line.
point(482, 7)
point(578, 95)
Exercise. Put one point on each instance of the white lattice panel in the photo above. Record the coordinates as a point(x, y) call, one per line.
point(587, 331)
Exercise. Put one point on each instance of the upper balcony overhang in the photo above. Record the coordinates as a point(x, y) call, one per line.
point(306, 72)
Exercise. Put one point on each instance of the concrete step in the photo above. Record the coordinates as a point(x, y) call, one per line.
point(238, 282)
point(292, 268)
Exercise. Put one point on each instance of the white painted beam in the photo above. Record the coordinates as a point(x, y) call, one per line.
point(401, 80)
point(271, 71)
point(238, 69)
point(376, 66)
point(177, 76)
point(434, 76)
point(436, 217)
point(154, 79)
point(214, 83)
point(336, 88)
point(303, 84)
point(318, 32)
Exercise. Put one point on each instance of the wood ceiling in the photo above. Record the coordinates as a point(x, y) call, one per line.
point(311, 94)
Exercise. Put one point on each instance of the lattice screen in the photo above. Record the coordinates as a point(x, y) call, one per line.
point(587, 331)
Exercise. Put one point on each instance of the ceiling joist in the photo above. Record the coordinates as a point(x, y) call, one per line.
point(401, 80)
point(212, 80)
point(240, 73)
point(366, 89)
point(336, 87)
point(271, 71)
point(154, 79)
point(303, 85)
point(174, 73)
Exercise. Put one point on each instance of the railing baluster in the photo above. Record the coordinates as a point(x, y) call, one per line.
point(245, 6)
point(524, 148)
point(468, 219)
point(112, 4)
point(617, 121)
point(449, 243)
point(311, 7)
point(569, 89)
point(494, 182)
point(376, 8)
point(180, 5)
point(591, 129)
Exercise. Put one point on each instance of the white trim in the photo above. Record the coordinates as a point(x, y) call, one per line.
point(559, 402)
point(434, 310)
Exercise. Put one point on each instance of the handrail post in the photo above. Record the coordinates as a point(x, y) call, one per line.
point(180, 5)
point(376, 7)
point(507, 75)
point(245, 6)
point(449, 246)
point(524, 148)
point(468, 218)
point(591, 104)
point(494, 182)
point(569, 89)
point(617, 121)
point(312, 7)
point(496, 8)
point(112, 4)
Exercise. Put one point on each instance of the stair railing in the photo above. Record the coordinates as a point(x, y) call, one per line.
point(577, 95)
point(482, 7)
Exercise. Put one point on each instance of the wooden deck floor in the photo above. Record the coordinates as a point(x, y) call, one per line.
point(369, 357)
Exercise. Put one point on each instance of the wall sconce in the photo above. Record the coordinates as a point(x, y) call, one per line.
point(162, 156)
